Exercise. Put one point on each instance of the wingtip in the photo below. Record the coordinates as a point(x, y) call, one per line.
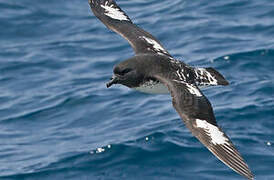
point(250, 175)
point(234, 161)
point(252, 178)
point(221, 146)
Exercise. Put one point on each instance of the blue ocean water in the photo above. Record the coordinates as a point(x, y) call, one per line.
point(59, 121)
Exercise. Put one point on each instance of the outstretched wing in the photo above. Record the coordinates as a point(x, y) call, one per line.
point(116, 19)
point(196, 111)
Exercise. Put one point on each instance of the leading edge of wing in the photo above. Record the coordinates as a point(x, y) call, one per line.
point(110, 14)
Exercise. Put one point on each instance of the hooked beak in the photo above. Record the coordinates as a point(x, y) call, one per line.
point(113, 80)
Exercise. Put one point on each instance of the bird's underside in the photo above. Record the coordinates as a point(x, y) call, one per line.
point(180, 79)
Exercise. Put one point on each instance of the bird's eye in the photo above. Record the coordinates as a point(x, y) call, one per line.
point(123, 72)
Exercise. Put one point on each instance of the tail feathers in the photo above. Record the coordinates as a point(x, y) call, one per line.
point(209, 77)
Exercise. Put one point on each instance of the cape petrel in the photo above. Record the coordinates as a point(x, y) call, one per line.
point(154, 70)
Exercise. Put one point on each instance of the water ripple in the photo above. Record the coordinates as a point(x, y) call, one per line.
point(57, 119)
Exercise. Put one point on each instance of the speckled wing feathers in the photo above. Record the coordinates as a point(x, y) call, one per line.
point(208, 77)
point(116, 19)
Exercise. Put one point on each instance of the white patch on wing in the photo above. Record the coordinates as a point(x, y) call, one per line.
point(216, 135)
point(193, 90)
point(153, 87)
point(156, 46)
point(205, 77)
point(175, 61)
point(181, 74)
point(114, 13)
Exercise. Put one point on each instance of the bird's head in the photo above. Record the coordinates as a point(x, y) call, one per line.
point(127, 73)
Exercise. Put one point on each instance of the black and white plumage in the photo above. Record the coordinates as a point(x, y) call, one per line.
point(154, 70)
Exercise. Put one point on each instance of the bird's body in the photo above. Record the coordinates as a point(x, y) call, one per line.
point(175, 68)
point(154, 70)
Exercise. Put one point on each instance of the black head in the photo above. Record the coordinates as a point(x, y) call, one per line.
point(127, 73)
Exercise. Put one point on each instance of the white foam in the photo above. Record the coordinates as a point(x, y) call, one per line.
point(216, 135)
point(100, 150)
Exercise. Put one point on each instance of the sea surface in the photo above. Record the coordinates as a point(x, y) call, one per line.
point(59, 121)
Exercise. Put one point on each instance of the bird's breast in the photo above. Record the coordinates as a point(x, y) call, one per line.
point(152, 87)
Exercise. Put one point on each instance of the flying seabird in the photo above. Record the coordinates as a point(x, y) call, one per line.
point(154, 70)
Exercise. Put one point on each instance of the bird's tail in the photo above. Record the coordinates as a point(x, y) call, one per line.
point(209, 77)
